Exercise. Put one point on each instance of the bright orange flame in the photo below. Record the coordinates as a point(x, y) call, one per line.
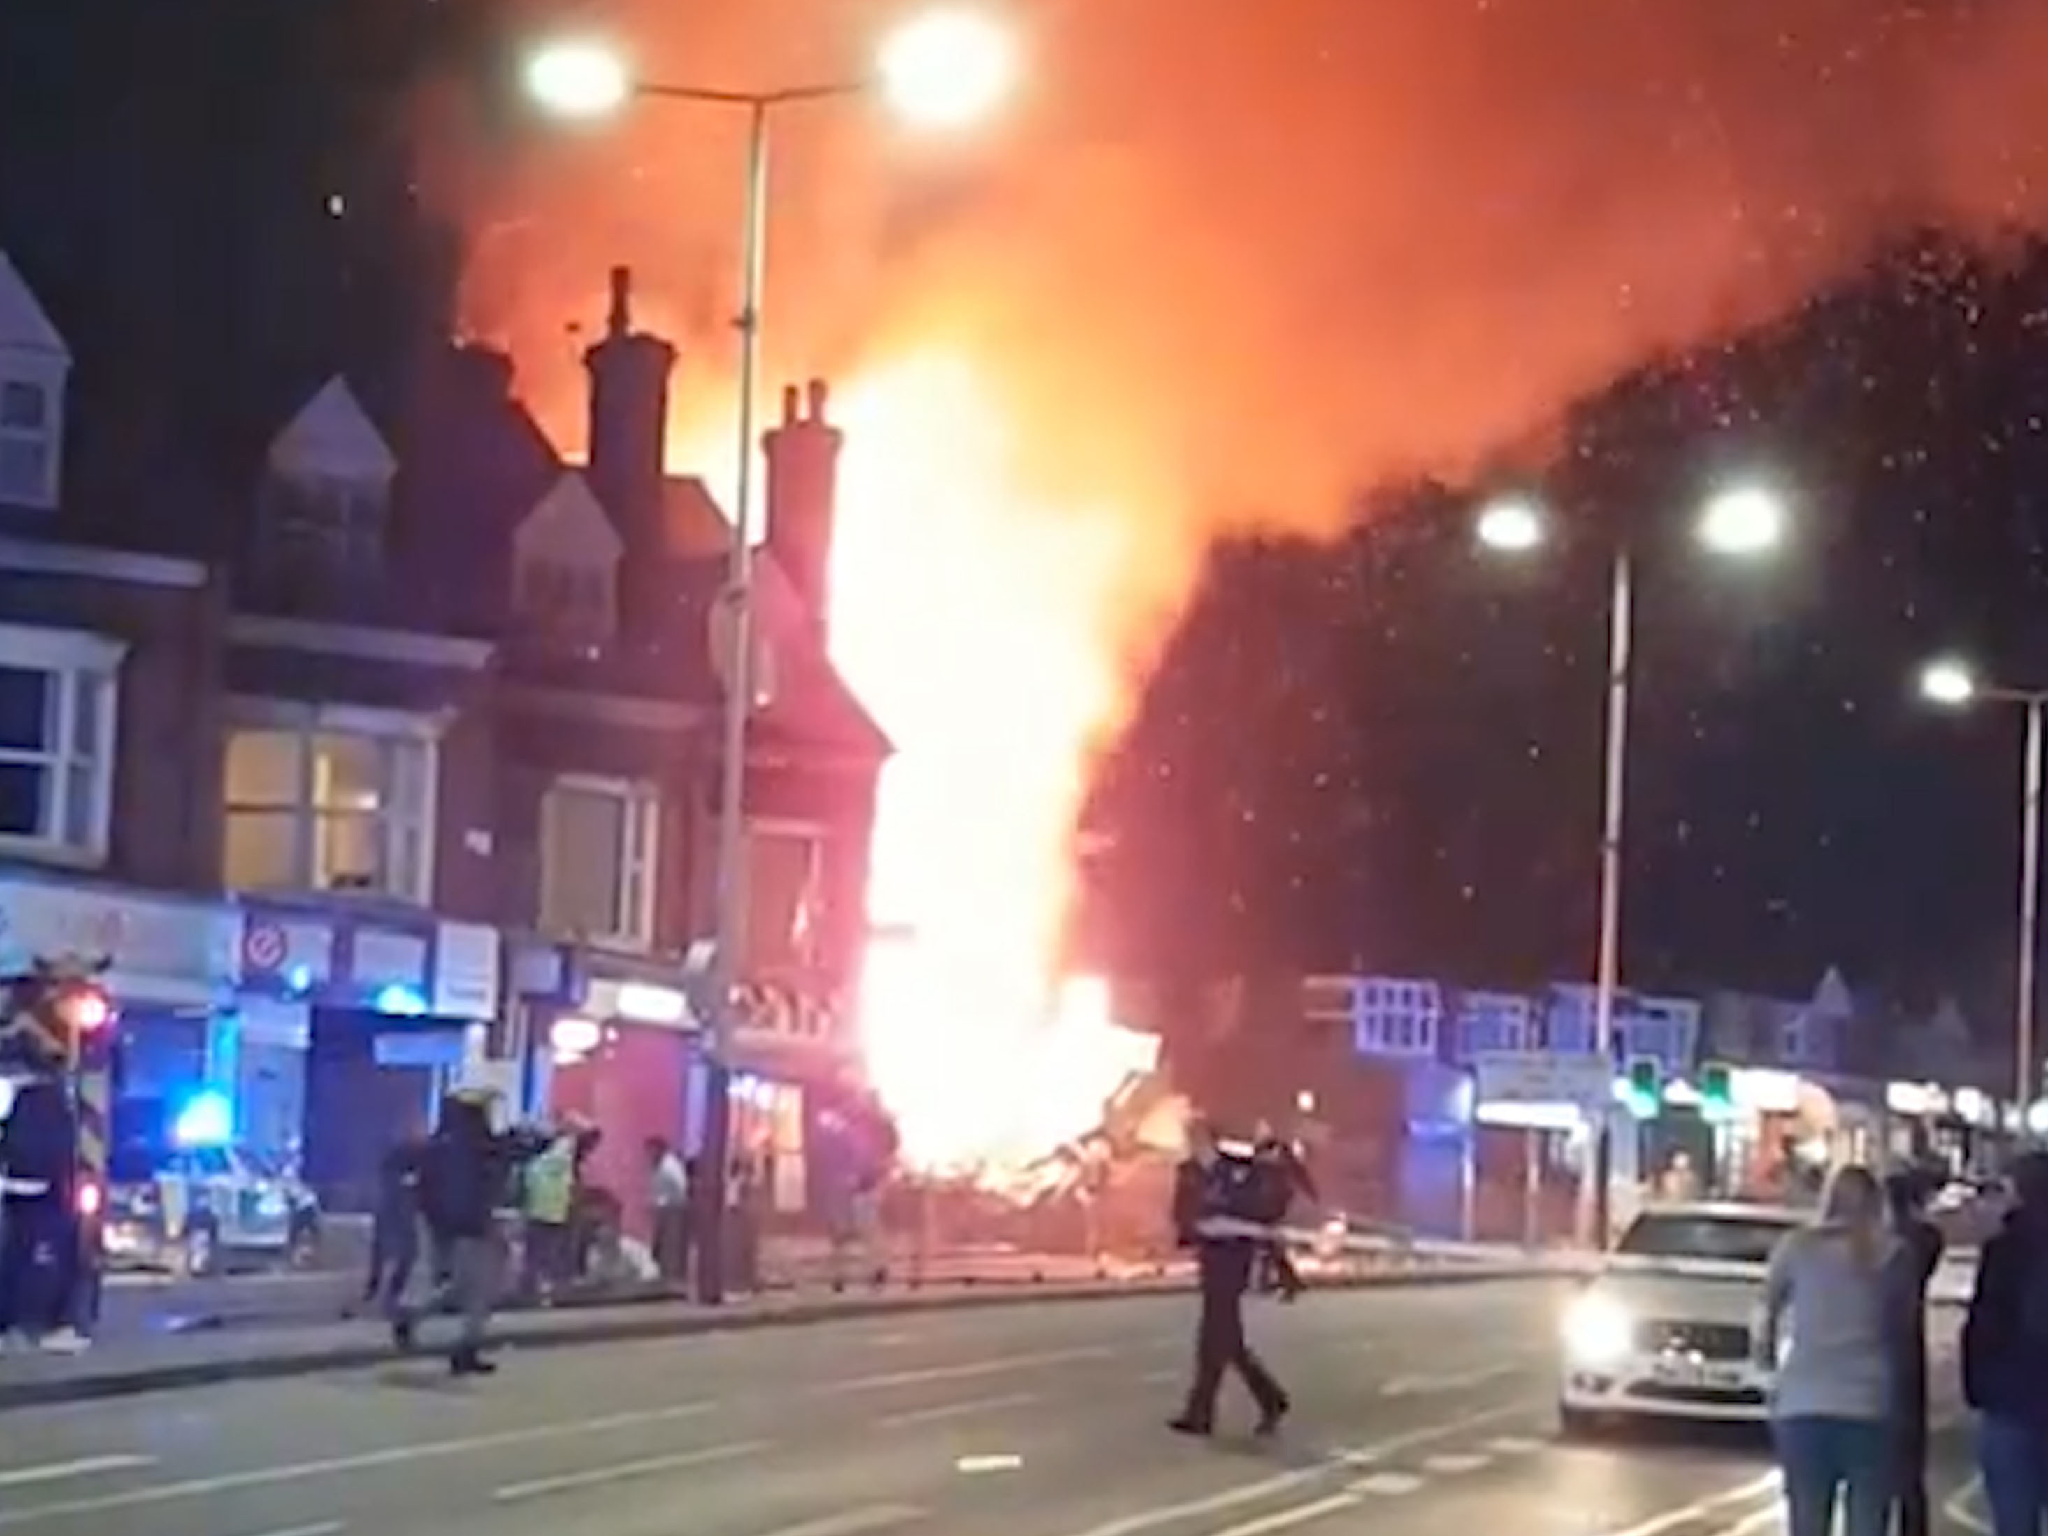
point(974, 618)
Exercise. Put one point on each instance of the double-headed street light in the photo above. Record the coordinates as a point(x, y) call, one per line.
point(943, 69)
point(1951, 683)
point(1746, 522)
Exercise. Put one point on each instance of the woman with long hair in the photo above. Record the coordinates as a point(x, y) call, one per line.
point(1827, 1331)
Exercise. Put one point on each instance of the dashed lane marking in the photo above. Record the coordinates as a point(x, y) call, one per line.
point(622, 1471)
point(1286, 1519)
point(1456, 1465)
point(1514, 1445)
point(965, 1371)
point(940, 1412)
point(1700, 1509)
point(363, 1461)
point(324, 1528)
point(1280, 1482)
point(64, 1471)
point(1387, 1485)
point(854, 1522)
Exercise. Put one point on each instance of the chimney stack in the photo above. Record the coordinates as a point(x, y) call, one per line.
point(629, 374)
point(803, 486)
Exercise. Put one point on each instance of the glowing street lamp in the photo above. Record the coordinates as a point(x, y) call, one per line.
point(943, 69)
point(1745, 522)
point(1952, 683)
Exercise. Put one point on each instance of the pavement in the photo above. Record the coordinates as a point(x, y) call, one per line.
point(1421, 1411)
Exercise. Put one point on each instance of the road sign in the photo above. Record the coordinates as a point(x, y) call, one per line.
point(1543, 1077)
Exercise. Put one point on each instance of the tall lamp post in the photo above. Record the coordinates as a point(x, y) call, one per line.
point(1740, 523)
point(941, 70)
point(1952, 684)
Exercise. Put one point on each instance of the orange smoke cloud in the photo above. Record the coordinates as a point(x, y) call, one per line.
point(1224, 263)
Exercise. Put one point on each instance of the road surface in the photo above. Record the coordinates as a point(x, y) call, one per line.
point(1421, 1412)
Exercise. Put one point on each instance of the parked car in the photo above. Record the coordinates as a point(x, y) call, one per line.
point(201, 1210)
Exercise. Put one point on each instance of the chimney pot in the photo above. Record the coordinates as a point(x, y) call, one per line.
point(792, 412)
point(820, 395)
point(620, 321)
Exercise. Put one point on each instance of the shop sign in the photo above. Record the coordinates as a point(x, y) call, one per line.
point(1542, 1077)
point(466, 971)
point(161, 949)
point(284, 949)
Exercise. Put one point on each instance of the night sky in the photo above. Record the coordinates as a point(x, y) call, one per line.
point(1386, 755)
point(1381, 754)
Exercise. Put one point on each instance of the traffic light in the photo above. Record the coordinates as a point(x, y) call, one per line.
point(1644, 1090)
point(1717, 1092)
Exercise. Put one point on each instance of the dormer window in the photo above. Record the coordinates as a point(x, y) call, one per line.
point(28, 446)
point(565, 599)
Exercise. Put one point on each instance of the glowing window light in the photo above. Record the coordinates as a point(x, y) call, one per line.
point(400, 1001)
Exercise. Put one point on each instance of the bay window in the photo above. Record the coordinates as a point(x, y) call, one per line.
point(334, 801)
point(57, 708)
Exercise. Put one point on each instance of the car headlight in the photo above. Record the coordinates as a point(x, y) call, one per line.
point(1597, 1330)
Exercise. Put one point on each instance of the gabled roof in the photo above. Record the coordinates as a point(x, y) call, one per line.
point(570, 520)
point(332, 436)
point(24, 324)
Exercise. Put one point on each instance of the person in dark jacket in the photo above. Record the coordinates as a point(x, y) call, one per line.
point(1912, 1264)
point(1209, 1186)
point(395, 1227)
point(39, 1233)
point(466, 1172)
point(2005, 1358)
point(1285, 1177)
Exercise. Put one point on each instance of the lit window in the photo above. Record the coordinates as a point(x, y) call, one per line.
point(330, 810)
point(57, 706)
point(600, 844)
point(28, 443)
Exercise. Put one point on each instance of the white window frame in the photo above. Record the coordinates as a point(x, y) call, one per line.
point(638, 860)
point(47, 438)
point(811, 832)
point(70, 655)
point(307, 721)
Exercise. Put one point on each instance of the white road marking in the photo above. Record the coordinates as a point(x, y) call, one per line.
point(961, 1410)
point(1699, 1509)
point(1961, 1507)
point(1767, 1518)
point(648, 1466)
point(966, 1371)
point(1388, 1485)
point(388, 1456)
point(324, 1528)
point(1455, 1465)
point(1285, 1519)
point(1514, 1445)
point(1280, 1482)
point(1457, 1381)
point(1163, 1378)
point(63, 1471)
point(854, 1522)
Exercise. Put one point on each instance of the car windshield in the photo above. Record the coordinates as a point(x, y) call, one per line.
point(1691, 1235)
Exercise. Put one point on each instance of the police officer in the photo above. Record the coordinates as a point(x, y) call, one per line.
point(1209, 1187)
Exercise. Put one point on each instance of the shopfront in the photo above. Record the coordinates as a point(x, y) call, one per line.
point(172, 974)
point(619, 1040)
point(351, 1025)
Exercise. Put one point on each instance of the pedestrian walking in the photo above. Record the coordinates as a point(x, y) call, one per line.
point(1284, 1177)
point(39, 1228)
point(2005, 1358)
point(1827, 1302)
point(395, 1227)
point(1211, 1188)
point(465, 1170)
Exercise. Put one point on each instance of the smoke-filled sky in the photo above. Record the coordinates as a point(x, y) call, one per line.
point(1241, 255)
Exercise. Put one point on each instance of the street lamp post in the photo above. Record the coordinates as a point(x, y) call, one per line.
point(1740, 523)
point(1952, 684)
point(941, 70)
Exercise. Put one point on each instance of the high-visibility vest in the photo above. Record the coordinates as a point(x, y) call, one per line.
point(551, 1182)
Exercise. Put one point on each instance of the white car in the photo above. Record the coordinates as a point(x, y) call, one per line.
point(1666, 1328)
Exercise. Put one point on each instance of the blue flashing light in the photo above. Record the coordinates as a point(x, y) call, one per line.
point(400, 1001)
point(207, 1119)
point(299, 978)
